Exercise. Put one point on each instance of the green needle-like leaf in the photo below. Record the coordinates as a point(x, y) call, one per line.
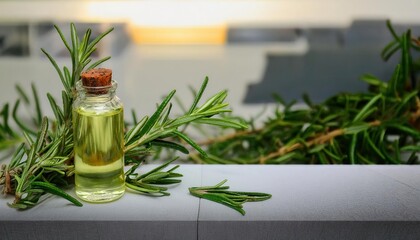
point(168, 144)
point(364, 112)
point(191, 143)
point(153, 119)
point(97, 63)
point(389, 50)
point(56, 191)
point(63, 39)
point(199, 95)
point(37, 105)
point(60, 74)
point(58, 113)
point(226, 123)
point(22, 94)
point(391, 30)
point(18, 121)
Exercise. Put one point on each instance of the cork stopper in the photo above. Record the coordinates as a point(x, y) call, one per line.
point(97, 80)
point(99, 77)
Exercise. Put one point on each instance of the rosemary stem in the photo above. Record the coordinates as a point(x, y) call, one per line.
point(195, 157)
point(415, 116)
point(8, 186)
point(228, 137)
point(318, 140)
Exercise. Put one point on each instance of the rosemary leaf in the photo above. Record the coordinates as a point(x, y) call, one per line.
point(198, 95)
point(56, 191)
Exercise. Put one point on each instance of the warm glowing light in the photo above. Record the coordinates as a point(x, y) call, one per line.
point(179, 35)
point(167, 22)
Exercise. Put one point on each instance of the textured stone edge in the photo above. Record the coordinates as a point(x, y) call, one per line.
point(127, 230)
point(308, 230)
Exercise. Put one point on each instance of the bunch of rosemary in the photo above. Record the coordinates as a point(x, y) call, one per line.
point(44, 164)
point(378, 127)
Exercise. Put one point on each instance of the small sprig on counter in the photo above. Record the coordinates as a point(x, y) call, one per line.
point(381, 126)
point(45, 163)
point(233, 199)
point(147, 183)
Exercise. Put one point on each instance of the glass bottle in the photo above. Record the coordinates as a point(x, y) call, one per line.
point(98, 128)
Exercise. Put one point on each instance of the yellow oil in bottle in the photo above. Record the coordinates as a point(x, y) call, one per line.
point(99, 156)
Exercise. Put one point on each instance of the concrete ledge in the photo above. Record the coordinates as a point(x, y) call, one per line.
point(305, 230)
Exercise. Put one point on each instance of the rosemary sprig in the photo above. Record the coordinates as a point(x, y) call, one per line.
point(233, 199)
point(159, 125)
point(80, 52)
point(43, 168)
point(8, 136)
point(152, 132)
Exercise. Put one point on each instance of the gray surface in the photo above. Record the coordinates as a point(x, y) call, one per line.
point(316, 202)
point(309, 202)
point(133, 216)
point(406, 175)
point(179, 207)
point(315, 193)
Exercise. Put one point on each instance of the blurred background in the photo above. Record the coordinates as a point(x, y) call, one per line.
point(252, 48)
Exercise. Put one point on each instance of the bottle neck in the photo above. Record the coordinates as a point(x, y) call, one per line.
point(102, 93)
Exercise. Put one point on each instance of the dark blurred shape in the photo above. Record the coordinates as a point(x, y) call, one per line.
point(367, 34)
point(336, 60)
point(258, 35)
point(14, 40)
point(324, 38)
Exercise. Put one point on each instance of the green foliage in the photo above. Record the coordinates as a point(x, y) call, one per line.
point(8, 136)
point(159, 125)
point(45, 163)
point(378, 127)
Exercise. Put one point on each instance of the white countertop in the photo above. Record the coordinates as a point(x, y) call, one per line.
point(353, 202)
